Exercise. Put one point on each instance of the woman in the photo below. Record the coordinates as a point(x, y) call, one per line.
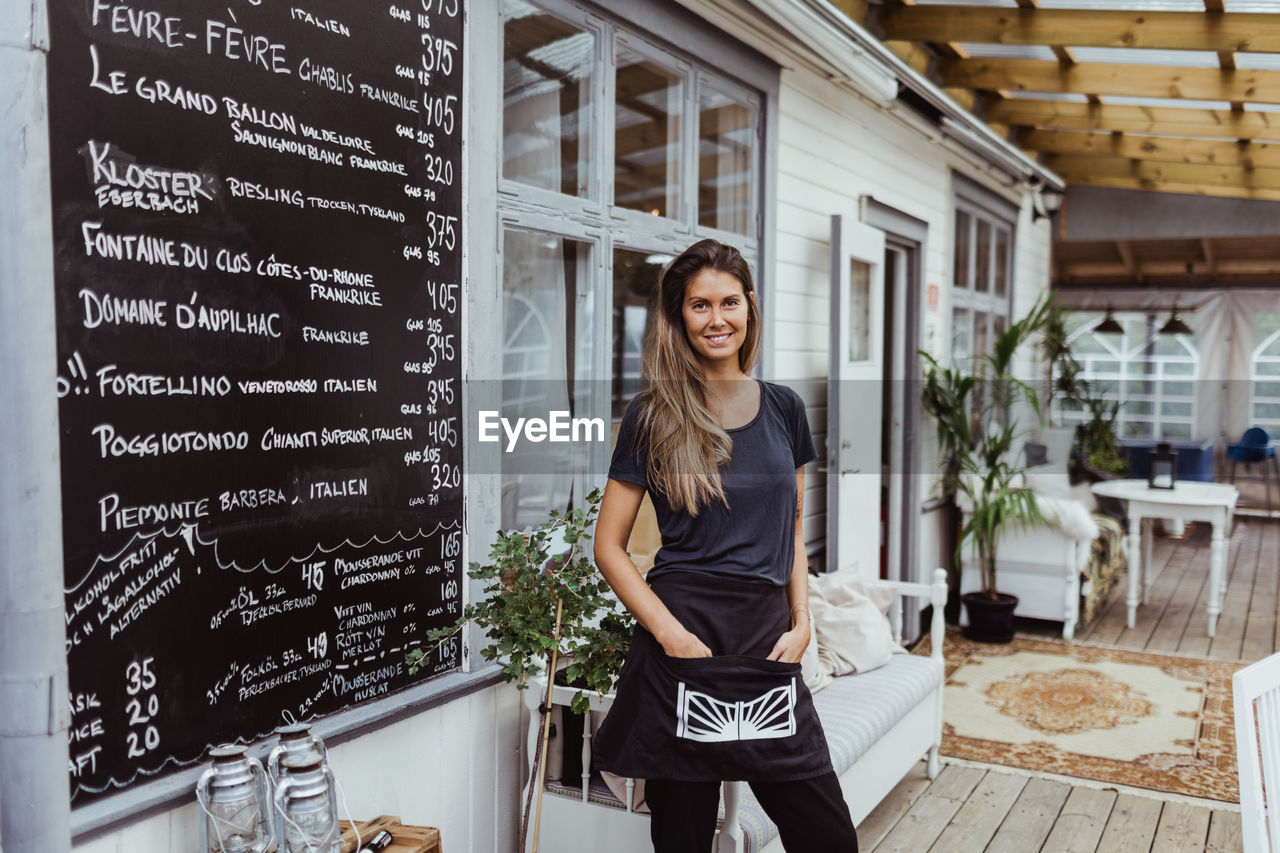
point(711, 689)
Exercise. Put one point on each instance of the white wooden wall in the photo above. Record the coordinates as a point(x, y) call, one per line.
point(457, 767)
point(835, 147)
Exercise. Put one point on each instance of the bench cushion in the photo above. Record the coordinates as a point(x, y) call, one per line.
point(856, 710)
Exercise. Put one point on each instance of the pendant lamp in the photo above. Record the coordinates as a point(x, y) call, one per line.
point(1109, 325)
point(1174, 326)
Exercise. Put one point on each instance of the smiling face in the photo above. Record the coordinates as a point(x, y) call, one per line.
point(716, 314)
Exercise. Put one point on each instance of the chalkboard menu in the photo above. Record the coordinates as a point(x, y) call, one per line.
point(257, 224)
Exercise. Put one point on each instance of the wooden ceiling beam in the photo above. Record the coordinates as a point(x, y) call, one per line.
point(1180, 121)
point(1157, 148)
point(1150, 184)
point(1232, 32)
point(1256, 266)
point(1093, 269)
point(1164, 270)
point(1210, 258)
point(855, 9)
point(1062, 52)
point(1098, 78)
point(1071, 166)
point(1131, 265)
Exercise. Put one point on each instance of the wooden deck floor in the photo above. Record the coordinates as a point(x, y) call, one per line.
point(1174, 619)
point(985, 808)
point(969, 809)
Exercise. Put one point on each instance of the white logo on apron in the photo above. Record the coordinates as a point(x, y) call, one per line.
point(704, 718)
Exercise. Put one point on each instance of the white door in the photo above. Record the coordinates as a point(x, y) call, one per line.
point(854, 397)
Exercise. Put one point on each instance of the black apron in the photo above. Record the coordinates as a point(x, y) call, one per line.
point(732, 716)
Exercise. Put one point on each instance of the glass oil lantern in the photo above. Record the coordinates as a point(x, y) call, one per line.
point(233, 800)
point(307, 808)
point(1162, 467)
point(296, 743)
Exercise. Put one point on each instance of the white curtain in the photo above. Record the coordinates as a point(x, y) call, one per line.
point(1225, 340)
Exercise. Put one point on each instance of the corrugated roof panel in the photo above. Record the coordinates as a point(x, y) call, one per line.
point(1073, 97)
point(1258, 61)
point(1008, 51)
point(1136, 5)
point(1137, 56)
point(1251, 6)
point(967, 2)
point(1184, 103)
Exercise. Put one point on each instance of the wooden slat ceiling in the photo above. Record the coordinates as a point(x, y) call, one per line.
point(1178, 96)
point(1166, 262)
point(1074, 111)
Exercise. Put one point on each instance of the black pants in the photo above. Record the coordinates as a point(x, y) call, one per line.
point(811, 814)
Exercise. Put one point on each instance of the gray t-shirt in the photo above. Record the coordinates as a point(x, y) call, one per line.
point(754, 537)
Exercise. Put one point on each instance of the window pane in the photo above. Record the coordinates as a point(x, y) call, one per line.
point(647, 130)
point(1266, 371)
point(1139, 388)
point(982, 258)
point(963, 243)
point(980, 333)
point(546, 103)
point(546, 342)
point(726, 152)
point(1088, 344)
point(960, 341)
point(1170, 344)
point(1139, 429)
point(1175, 431)
point(1266, 389)
point(859, 311)
point(1002, 261)
point(635, 291)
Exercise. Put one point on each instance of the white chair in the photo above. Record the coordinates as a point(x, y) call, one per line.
point(1255, 693)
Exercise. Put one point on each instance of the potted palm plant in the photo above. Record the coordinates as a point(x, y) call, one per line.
point(975, 407)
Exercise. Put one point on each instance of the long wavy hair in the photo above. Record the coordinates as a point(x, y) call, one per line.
point(686, 444)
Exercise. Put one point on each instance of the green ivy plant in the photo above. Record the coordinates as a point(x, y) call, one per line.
point(1097, 434)
point(524, 584)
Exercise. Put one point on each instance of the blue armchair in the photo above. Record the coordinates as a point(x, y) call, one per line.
point(1255, 446)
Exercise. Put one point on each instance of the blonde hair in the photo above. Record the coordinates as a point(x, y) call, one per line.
point(686, 444)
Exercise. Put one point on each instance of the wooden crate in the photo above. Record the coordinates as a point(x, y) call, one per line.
point(404, 839)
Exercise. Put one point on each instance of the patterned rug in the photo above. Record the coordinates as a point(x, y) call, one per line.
point(1131, 718)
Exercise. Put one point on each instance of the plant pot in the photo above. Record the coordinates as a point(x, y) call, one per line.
point(990, 619)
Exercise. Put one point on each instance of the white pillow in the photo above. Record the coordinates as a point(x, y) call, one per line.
point(1070, 517)
point(618, 786)
point(853, 633)
point(815, 675)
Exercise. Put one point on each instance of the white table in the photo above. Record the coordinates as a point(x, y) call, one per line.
point(1186, 501)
